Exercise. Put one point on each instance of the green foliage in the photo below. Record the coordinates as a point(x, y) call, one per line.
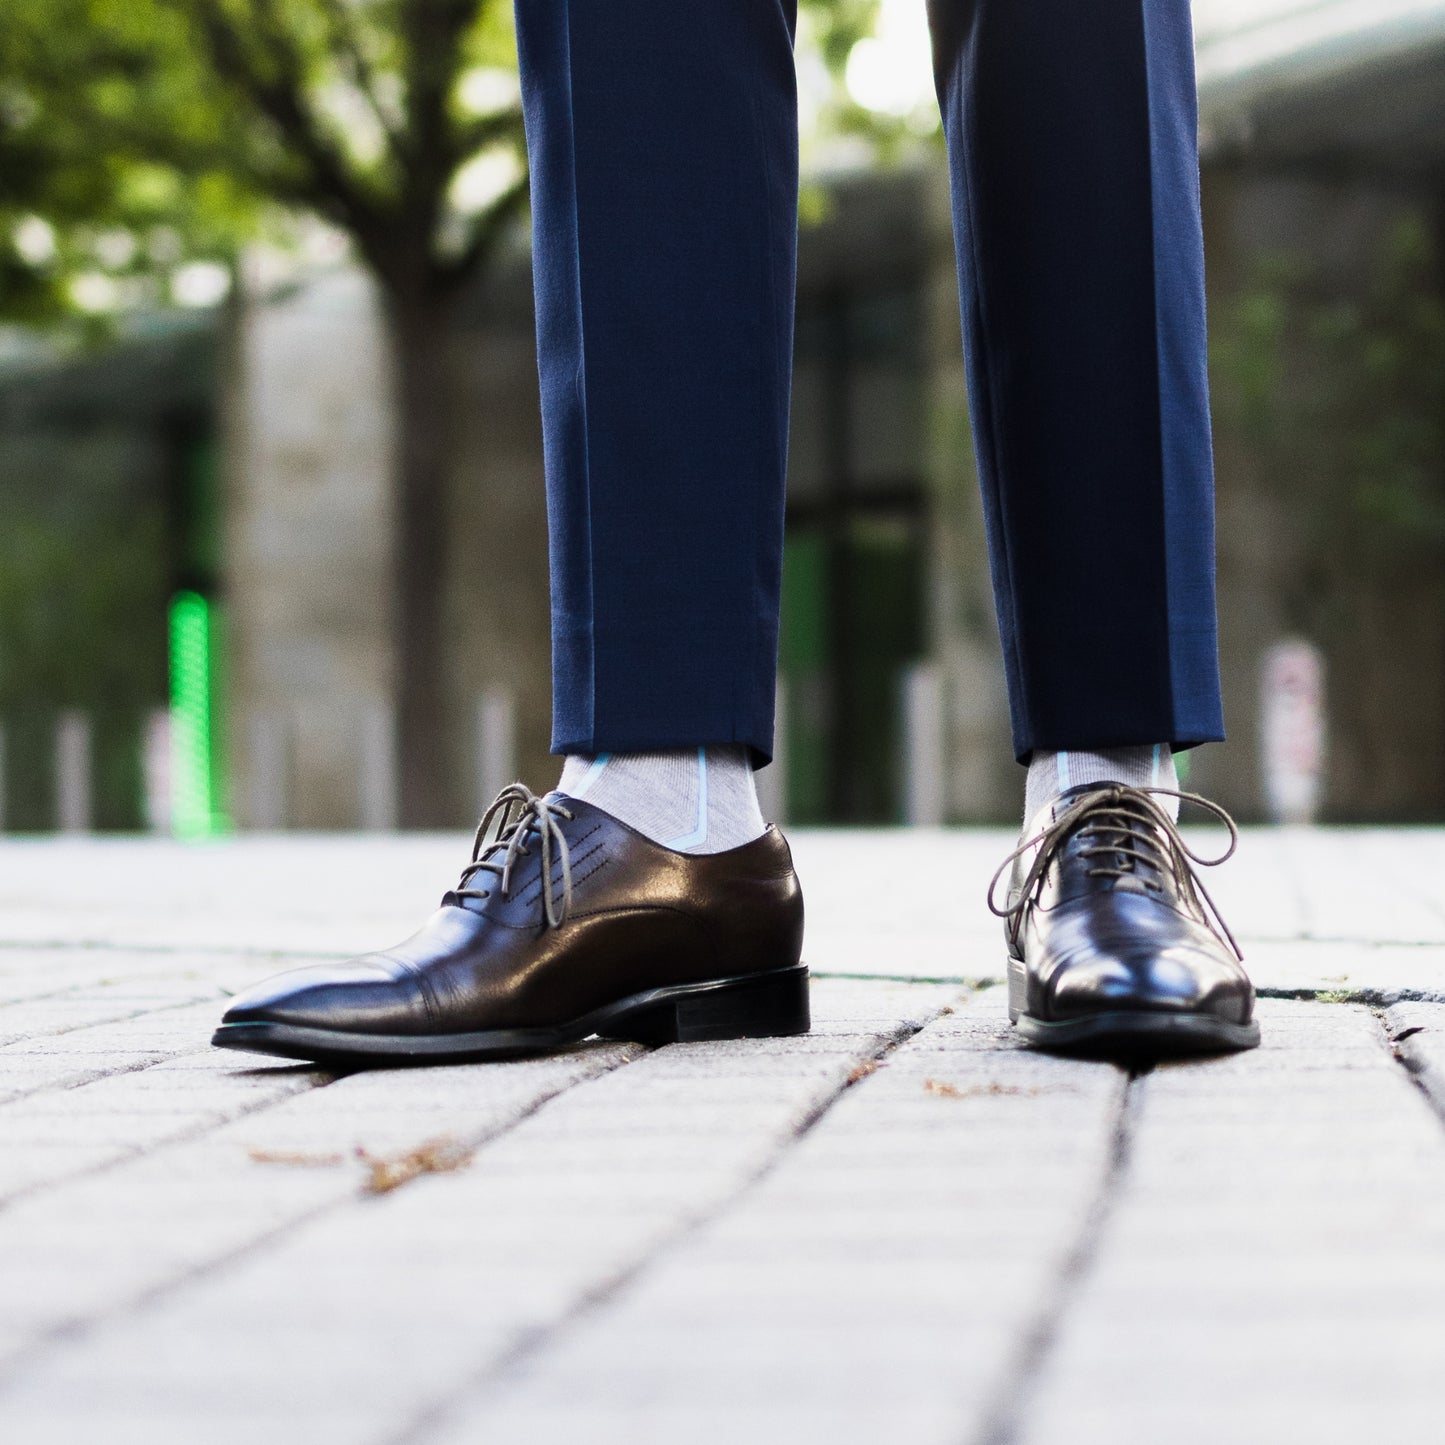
point(839, 25)
point(139, 137)
point(110, 173)
point(1340, 397)
point(82, 635)
point(82, 590)
point(833, 28)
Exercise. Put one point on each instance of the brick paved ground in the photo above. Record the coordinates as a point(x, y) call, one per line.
point(903, 1227)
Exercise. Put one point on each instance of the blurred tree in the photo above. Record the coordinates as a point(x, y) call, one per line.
point(140, 138)
point(835, 29)
point(110, 192)
point(1347, 389)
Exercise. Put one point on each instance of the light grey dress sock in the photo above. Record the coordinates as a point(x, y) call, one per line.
point(696, 800)
point(1149, 766)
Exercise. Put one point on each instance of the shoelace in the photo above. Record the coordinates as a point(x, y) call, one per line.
point(1118, 822)
point(520, 815)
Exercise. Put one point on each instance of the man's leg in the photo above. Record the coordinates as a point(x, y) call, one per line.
point(644, 899)
point(664, 155)
point(1076, 201)
point(664, 158)
point(1074, 168)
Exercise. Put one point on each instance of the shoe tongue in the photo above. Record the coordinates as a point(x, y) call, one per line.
point(1069, 795)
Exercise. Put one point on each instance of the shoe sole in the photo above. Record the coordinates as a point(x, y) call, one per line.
point(758, 1006)
point(1151, 1033)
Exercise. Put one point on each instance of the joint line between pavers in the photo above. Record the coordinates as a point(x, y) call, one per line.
point(1375, 998)
point(65, 1087)
point(110, 945)
point(69, 990)
point(1416, 1070)
point(101, 1023)
point(189, 1136)
point(1005, 1417)
point(969, 985)
point(535, 1340)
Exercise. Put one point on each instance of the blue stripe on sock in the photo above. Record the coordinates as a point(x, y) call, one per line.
point(590, 776)
point(1061, 766)
point(699, 833)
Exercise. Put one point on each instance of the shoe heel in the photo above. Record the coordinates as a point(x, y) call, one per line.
point(1018, 989)
point(773, 1006)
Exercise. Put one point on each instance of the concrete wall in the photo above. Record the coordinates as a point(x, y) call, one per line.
point(498, 588)
point(308, 558)
point(1301, 552)
point(308, 536)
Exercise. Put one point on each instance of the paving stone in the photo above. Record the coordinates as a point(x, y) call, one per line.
point(1374, 970)
point(21, 1077)
point(160, 1422)
point(718, 1241)
point(469, 1282)
point(55, 1017)
point(181, 1209)
point(1285, 883)
point(1234, 1252)
point(1417, 1033)
point(50, 1136)
point(806, 1294)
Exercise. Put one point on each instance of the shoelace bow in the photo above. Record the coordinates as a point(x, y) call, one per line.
point(520, 815)
point(1118, 823)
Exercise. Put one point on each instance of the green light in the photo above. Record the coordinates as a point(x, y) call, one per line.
point(193, 752)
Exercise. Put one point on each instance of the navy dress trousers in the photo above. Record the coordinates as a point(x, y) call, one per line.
point(664, 155)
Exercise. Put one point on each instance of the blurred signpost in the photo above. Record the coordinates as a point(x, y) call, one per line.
point(376, 773)
point(72, 772)
point(772, 781)
point(496, 744)
point(194, 771)
point(156, 771)
point(924, 745)
point(1292, 730)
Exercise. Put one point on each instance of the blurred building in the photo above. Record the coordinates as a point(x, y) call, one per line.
point(1323, 135)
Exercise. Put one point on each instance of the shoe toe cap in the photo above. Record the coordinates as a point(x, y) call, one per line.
point(367, 995)
point(1182, 977)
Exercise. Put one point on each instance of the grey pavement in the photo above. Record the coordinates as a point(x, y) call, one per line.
point(903, 1226)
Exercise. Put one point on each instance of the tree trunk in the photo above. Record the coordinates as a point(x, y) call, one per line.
point(428, 787)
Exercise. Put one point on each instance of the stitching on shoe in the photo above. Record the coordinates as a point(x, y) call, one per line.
point(534, 889)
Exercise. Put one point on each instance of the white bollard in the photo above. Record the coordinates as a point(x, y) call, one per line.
point(1292, 730)
point(156, 770)
point(924, 767)
point(267, 784)
point(72, 772)
point(376, 775)
point(496, 744)
point(772, 782)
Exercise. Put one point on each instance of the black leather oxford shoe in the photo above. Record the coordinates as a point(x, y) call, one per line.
point(1114, 946)
point(565, 923)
